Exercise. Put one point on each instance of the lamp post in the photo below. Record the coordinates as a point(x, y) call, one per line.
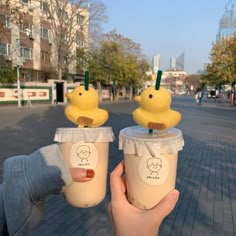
point(18, 64)
point(18, 72)
point(18, 86)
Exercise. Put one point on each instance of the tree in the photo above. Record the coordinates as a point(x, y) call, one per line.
point(105, 65)
point(128, 46)
point(222, 68)
point(70, 21)
point(193, 81)
point(118, 61)
point(7, 75)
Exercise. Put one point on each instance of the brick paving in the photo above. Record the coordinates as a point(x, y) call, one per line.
point(206, 176)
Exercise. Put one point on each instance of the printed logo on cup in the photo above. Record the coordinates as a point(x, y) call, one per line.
point(153, 170)
point(84, 155)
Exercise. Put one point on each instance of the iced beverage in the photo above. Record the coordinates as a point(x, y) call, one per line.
point(150, 163)
point(86, 148)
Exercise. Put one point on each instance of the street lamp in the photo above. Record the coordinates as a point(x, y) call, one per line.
point(28, 32)
point(18, 72)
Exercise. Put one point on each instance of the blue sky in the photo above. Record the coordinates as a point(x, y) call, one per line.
point(168, 27)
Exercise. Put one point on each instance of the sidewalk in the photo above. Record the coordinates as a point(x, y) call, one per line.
point(218, 102)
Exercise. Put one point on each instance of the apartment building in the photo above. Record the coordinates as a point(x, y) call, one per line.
point(42, 38)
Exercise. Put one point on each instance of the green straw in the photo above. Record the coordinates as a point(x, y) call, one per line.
point(158, 81)
point(157, 87)
point(86, 81)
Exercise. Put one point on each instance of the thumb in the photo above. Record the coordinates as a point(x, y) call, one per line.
point(166, 205)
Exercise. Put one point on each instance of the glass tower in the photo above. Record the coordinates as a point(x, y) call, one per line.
point(156, 63)
point(228, 21)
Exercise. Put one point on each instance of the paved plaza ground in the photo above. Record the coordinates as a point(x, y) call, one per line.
point(206, 175)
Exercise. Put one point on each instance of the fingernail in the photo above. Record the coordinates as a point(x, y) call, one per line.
point(90, 173)
point(175, 195)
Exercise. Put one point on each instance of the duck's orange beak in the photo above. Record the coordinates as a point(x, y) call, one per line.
point(137, 99)
point(68, 95)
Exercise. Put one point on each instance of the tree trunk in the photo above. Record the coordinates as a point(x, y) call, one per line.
point(59, 73)
point(99, 86)
point(131, 92)
point(117, 94)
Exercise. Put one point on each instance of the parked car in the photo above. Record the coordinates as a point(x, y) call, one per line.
point(211, 94)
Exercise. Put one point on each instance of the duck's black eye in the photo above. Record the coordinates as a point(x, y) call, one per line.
point(80, 94)
point(150, 96)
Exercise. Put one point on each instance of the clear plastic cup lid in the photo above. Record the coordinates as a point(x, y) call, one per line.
point(137, 140)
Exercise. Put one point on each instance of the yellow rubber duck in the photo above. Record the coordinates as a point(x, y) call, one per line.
point(154, 109)
point(83, 108)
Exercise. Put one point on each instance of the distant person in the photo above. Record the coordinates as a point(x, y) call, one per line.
point(200, 96)
point(196, 98)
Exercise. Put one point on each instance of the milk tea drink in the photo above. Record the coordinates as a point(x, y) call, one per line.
point(150, 163)
point(86, 148)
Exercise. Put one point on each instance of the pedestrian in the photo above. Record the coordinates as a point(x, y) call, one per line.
point(196, 97)
point(28, 180)
point(200, 96)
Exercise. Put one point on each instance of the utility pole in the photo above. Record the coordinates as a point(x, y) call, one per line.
point(18, 72)
point(18, 86)
point(19, 63)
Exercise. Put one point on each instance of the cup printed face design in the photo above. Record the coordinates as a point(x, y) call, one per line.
point(83, 152)
point(84, 155)
point(153, 170)
point(154, 165)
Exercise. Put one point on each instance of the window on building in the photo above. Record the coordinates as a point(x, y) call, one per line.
point(44, 6)
point(62, 13)
point(80, 42)
point(26, 27)
point(80, 19)
point(26, 76)
point(27, 2)
point(26, 53)
point(5, 20)
point(5, 49)
point(45, 33)
point(45, 56)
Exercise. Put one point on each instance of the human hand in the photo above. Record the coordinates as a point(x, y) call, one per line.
point(81, 174)
point(129, 220)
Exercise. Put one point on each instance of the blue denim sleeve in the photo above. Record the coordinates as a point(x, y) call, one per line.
point(3, 225)
point(27, 180)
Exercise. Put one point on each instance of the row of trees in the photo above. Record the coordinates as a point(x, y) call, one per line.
point(222, 67)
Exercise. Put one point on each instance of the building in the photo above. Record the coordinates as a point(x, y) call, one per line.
point(172, 63)
point(174, 81)
point(180, 61)
point(227, 26)
point(41, 39)
point(177, 63)
point(156, 63)
point(173, 78)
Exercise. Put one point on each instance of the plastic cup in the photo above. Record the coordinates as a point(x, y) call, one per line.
point(150, 163)
point(86, 148)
